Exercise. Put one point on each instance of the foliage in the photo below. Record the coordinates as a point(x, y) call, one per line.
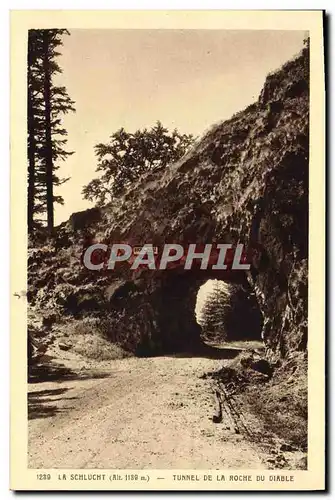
point(230, 313)
point(212, 319)
point(129, 155)
point(47, 104)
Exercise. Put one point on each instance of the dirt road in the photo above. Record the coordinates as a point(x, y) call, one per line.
point(138, 414)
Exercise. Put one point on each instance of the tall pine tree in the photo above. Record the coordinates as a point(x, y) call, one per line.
point(47, 103)
point(213, 313)
point(231, 312)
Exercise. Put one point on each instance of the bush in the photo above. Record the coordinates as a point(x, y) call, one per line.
point(89, 337)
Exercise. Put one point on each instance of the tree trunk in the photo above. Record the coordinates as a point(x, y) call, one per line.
point(48, 138)
point(31, 161)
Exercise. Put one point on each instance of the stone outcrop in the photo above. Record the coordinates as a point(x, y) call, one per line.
point(245, 181)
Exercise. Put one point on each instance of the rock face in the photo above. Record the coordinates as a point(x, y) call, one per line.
point(245, 181)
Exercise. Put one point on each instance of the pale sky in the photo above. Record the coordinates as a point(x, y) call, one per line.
point(187, 79)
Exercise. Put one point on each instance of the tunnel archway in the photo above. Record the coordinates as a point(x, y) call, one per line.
point(170, 314)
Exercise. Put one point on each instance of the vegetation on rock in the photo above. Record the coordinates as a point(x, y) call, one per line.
point(127, 156)
point(245, 181)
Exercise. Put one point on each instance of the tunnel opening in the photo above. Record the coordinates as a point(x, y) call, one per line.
point(169, 322)
point(228, 312)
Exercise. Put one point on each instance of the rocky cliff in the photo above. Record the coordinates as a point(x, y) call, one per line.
point(245, 181)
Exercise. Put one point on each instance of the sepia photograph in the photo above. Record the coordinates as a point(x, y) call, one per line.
point(167, 223)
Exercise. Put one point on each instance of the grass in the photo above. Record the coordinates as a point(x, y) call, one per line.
point(280, 403)
point(89, 337)
point(97, 348)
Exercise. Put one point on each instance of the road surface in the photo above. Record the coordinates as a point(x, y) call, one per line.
point(138, 413)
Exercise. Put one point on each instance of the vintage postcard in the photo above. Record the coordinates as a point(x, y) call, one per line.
point(167, 275)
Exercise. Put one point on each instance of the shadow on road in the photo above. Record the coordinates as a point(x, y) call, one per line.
point(41, 403)
point(52, 371)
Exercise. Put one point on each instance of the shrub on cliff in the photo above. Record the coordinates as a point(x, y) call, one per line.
point(128, 155)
